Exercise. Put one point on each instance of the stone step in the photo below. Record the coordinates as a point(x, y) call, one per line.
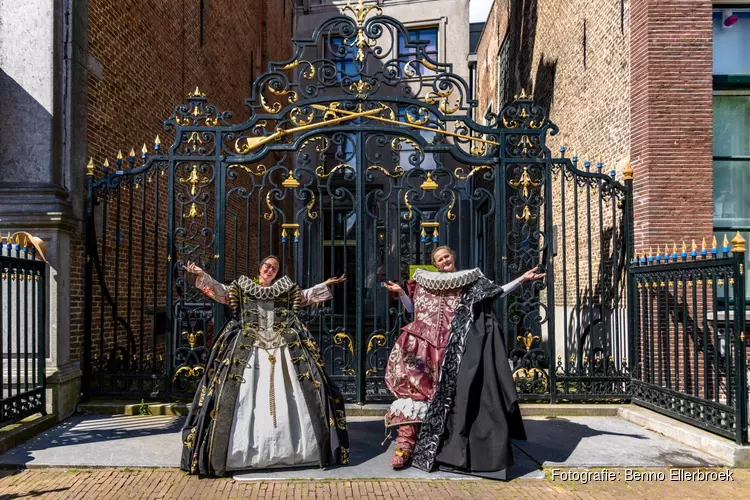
point(124, 407)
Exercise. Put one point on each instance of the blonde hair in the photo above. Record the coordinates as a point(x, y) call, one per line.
point(442, 247)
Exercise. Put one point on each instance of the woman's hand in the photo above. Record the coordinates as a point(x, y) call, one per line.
point(193, 268)
point(394, 287)
point(532, 275)
point(335, 280)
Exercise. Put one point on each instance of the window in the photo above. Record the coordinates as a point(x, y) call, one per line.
point(731, 127)
point(429, 35)
point(732, 45)
point(344, 63)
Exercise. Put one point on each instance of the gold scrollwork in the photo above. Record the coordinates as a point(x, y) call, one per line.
point(528, 340)
point(301, 118)
point(441, 99)
point(320, 171)
point(397, 144)
point(361, 12)
point(361, 87)
point(449, 214)
point(422, 116)
point(479, 149)
point(323, 146)
point(339, 338)
point(527, 373)
point(526, 143)
point(526, 214)
point(307, 74)
point(194, 179)
point(275, 108)
point(310, 214)
point(459, 172)
point(410, 215)
point(260, 169)
point(377, 340)
point(271, 215)
point(524, 181)
point(429, 65)
point(398, 171)
point(191, 371)
point(510, 124)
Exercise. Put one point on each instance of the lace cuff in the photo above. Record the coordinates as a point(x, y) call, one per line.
point(206, 284)
point(314, 295)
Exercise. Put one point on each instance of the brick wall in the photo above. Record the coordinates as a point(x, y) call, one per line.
point(623, 81)
point(145, 57)
point(671, 109)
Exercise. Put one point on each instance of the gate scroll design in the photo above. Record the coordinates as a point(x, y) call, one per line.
point(359, 156)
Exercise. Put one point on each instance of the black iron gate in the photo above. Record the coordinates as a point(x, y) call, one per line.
point(357, 158)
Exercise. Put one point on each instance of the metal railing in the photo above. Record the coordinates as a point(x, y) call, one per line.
point(22, 328)
point(688, 318)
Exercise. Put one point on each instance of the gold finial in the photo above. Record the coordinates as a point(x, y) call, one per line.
point(132, 153)
point(428, 184)
point(90, 167)
point(725, 243)
point(694, 246)
point(738, 243)
point(197, 93)
point(106, 163)
point(651, 251)
point(627, 172)
point(684, 247)
point(703, 244)
point(119, 155)
point(290, 182)
point(157, 141)
point(674, 248)
point(144, 149)
point(7, 239)
point(713, 242)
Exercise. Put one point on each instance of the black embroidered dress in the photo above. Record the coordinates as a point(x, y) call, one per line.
point(264, 400)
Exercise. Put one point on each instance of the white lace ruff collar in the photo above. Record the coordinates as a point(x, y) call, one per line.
point(280, 286)
point(446, 281)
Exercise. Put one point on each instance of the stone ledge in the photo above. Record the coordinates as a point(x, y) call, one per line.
point(104, 407)
point(729, 452)
point(14, 434)
point(182, 409)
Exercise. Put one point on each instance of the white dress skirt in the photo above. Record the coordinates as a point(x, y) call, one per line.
point(256, 440)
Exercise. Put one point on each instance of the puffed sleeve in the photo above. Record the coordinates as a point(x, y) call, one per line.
point(206, 284)
point(314, 295)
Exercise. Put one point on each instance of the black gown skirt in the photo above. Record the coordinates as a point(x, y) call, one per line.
point(475, 413)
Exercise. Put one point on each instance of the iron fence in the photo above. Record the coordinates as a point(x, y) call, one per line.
point(22, 330)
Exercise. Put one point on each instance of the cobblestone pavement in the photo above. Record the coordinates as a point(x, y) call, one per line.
point(173, 484)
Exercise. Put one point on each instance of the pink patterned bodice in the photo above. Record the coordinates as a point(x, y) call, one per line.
point(433, 314)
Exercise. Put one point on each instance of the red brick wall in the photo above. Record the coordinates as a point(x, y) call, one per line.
point(671, 109)
point(151, 58)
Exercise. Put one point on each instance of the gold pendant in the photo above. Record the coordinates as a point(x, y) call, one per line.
point(271, 393)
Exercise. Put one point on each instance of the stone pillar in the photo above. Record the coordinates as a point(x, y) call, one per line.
point(43, 47)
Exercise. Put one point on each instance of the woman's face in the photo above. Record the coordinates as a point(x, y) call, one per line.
point(444, 261)
point(268, 270)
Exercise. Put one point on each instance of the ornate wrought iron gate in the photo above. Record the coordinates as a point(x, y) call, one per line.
point(358, 157)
